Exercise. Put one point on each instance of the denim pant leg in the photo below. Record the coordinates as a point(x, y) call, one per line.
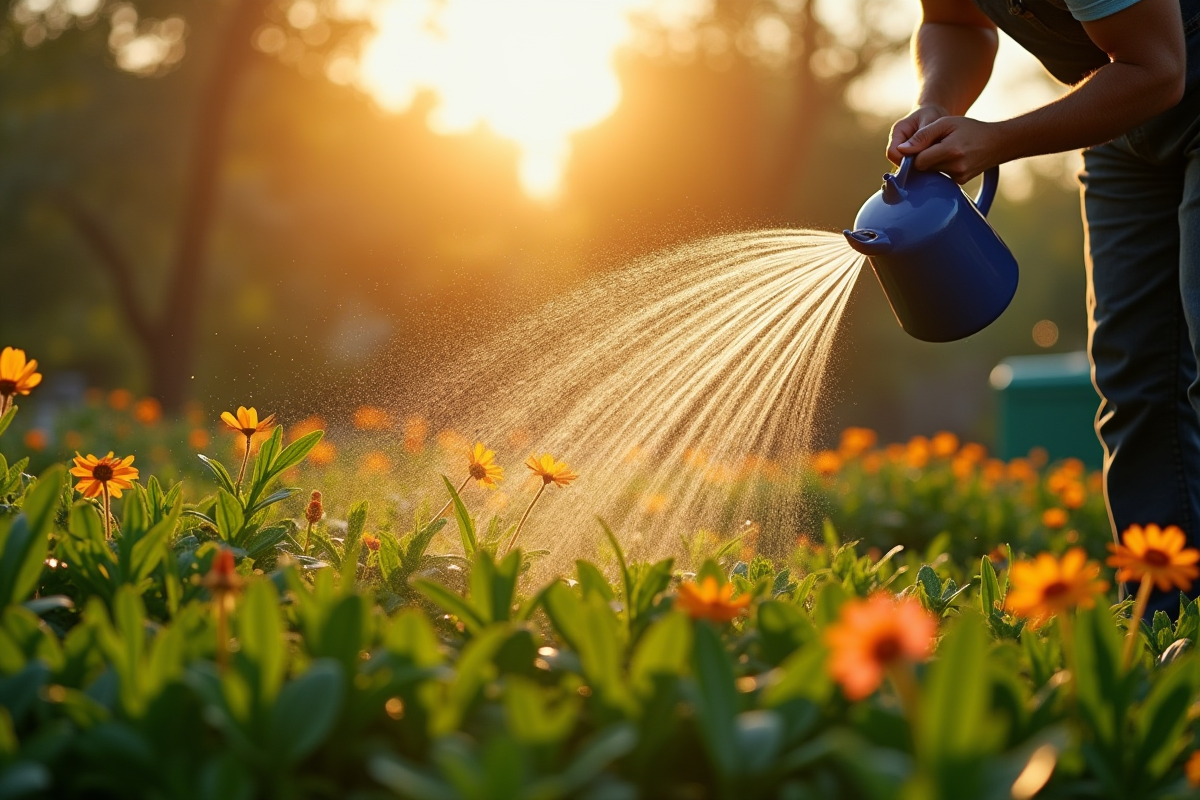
point(1143, 362)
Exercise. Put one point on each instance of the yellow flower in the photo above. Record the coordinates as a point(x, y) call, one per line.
point(17, 376)
point(707, 600)
point(109, 474)
point(483, 466)
point(247, 422)
point(1160, 555)
point(551, 471)
point(1047, 586)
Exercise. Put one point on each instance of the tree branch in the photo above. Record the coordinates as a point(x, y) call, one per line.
point(93, 232)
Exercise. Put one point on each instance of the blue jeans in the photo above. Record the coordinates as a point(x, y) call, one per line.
point(1141, 201)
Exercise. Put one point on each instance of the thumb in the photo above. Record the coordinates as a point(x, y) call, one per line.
point(926, 136)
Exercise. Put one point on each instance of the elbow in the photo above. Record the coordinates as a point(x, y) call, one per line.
point(1168, 83)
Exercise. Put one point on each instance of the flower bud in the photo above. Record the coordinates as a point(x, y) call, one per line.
point(315, 510)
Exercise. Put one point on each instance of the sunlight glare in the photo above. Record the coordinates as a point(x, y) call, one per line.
point(533, 72)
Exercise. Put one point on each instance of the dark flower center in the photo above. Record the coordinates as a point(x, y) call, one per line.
point(102, 472)
point(1055, 589)
point(1156, 558)
point(8, 387)
point(886, 649)
point(478, 472)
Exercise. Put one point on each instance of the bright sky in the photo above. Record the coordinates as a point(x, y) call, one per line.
point(537, 71)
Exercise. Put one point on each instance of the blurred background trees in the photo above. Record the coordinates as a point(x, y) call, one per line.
point(214, 201)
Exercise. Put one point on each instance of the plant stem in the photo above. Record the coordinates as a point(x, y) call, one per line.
point(5, 402)
point(307, 536)
point(107, 503)
point(904, 680)
point(222, 632)
point(1135, 620)
point(242, 471)
point(524, 517)
point(450, 502)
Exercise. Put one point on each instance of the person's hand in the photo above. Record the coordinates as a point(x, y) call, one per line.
point(958, 146)
point(903, 130)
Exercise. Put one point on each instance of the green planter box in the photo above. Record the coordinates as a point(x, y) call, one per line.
point(1046, 401)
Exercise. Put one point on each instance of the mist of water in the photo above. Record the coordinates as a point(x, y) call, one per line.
point(660, 384)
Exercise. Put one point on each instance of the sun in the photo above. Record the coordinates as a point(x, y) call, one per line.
point(531, 71)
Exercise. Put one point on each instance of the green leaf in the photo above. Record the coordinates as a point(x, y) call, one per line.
point(592, 581)
point(261, 636)
point(149, 550)
point(450, 602)
point(270, 500)
point(783, 628)
point(930, 582)
point(954, 723)
point(989, 588)
point(1160, 721)
point(224, 479)
point(305, 711)
point(466, 527)
point(265, 539)
point(295, 452)
point(356, 523)
point(7, 419)
point(263, 462)
point(419, 543)
point(229, 517)
point(717, 701)
point(626, 580)
point(23, 548)
point(1103, 690)
point(665, 649)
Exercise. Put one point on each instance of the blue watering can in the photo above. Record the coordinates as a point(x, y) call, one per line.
point(944, 269)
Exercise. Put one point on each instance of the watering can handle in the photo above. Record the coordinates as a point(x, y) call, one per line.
point(987, 192)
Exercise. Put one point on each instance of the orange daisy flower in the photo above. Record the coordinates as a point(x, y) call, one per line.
point(1054, 518)
point(1157, 554)
point(17, 376)
point(1047, 586)
point(1192, 768)
point(551, 471)
point(707, 600)
point(483, 468)
point(873, 635)
point(247, 422)
point(827, 462)
point(103, 475)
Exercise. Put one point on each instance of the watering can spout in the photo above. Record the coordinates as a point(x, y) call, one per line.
point(868, 242)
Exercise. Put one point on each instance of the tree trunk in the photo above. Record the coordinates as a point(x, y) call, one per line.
point(171, 349)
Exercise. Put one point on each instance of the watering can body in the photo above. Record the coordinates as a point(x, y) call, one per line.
point(945, 271)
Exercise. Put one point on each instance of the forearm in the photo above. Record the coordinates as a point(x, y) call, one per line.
point(953, 62)
point(1116, 98)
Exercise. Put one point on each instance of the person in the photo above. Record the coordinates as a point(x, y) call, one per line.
point(1134, 108)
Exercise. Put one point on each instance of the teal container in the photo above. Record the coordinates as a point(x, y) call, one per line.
point(1047, 401)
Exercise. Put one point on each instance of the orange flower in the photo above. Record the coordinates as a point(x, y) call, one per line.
point(873, 635)
point(376, 462)
point(103, 475)
point(1047, 586)
point(17, 376)
point(247, 422)
point(993, 470)
point(222, 579)
point(147, 411)
point(654, 503)
point(370, 542)
point(1039, 457)
point(707, 600)
point(322, 455)
point(551, 471)
point(119, 399)
point(827, 462)
point(73, 440)
point(198, 439)
point(872, 462)
point(415, 431)
point(1074, 496)
point(370, 418)
point(1054, 518)
point(35, 439)
point(973, 451)
point(1019, 469)
point(482, 466)
point(856, 441)
point(1160, 555)
point(1192, 768)
point(917, 452)
point(306, 426)
point(944, 444)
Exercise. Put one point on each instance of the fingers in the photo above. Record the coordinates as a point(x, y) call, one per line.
point(902, 131)
point(926, 136)
point(947, 157)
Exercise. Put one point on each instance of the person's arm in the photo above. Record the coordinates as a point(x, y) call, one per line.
point(1145, 76)
point(953, 49)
